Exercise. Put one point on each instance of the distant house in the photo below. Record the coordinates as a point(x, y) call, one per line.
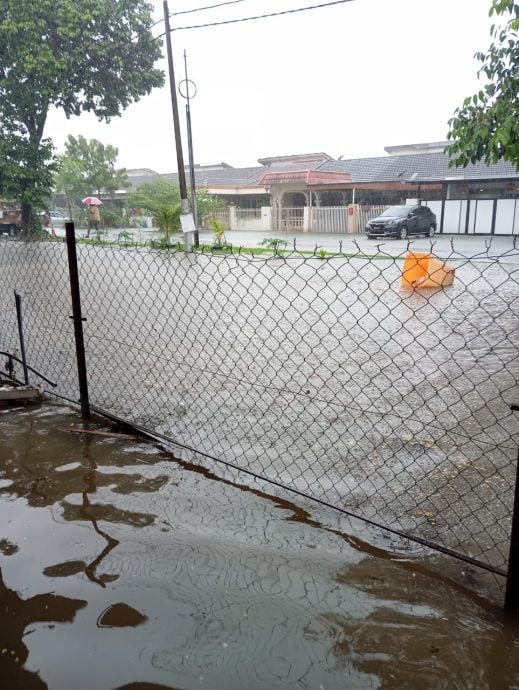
point(478, 199)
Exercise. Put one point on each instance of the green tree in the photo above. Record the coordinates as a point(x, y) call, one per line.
point(26, 173)
point(70, 182)
point(88, 167)
point(159, 193)
point(486, 127)
point(97, 162)
point(93, 55)
point(207, 203)
point(151, 196)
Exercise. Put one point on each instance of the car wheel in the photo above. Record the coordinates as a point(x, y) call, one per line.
point(431, 231)
point(403, 232)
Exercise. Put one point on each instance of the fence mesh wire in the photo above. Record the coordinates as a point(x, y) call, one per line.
point(324, 374)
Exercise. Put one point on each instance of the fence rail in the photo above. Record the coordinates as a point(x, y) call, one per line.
point(333, 219)
point(220, 214)
point(248, 213)
point(327, 376)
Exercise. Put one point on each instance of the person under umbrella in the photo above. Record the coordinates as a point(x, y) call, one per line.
point(94, 216)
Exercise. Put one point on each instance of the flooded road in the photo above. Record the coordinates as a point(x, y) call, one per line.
point(123, 567)
point(327, 376)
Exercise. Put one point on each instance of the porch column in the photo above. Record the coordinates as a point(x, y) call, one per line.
point(233, 223)
point(277, 200)
point(307, 219)
point(353, 219)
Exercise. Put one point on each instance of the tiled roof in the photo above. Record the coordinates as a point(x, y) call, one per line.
point(230, 176)
point(295, 158)
point(309, 178)
point(426, 167)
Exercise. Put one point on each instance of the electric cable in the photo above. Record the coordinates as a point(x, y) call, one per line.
point(260, 16)
point(208, 7)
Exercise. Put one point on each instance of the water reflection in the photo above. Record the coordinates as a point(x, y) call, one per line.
point(57, 477)
point(17, 616)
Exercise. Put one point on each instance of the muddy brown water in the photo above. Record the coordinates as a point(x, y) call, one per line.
point(124, 567)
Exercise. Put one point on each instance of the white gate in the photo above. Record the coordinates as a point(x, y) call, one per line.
point(289, 219)
point(329, 219)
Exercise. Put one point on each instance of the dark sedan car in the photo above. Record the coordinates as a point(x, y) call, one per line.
point(402, 221)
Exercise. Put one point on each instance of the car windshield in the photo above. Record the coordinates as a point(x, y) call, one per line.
point(396, 211)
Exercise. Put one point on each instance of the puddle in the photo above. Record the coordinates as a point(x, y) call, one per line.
point(122, 568)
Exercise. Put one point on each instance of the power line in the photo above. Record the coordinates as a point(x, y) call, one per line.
point(208, 7)
point(261, 16)
point(197, 9)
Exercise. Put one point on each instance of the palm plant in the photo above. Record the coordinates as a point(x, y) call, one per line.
point(167, 218)
point(219, 231)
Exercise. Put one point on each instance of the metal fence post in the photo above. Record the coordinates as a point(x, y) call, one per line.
point(78, 320)
point(18, 301)
point(512, 578)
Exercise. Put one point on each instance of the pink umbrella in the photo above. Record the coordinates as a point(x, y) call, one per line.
point(92, 201)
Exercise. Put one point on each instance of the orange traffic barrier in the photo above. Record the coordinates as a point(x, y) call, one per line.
point(422, 269)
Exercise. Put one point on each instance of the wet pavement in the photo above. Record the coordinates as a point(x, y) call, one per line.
point(123, 566)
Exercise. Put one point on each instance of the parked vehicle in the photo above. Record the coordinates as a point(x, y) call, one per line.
point(54, 219)
point(402, 221)
point(10, 219)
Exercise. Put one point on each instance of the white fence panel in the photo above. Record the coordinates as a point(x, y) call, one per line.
point(221, 214)
point(291, 218)
point(480, 216)
point(436, 208)
point(507, 217)
point(247, 219)
point(248, 213)
point(454, 216)
point(333, 219)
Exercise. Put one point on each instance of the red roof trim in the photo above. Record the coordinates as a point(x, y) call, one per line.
point(307, 177)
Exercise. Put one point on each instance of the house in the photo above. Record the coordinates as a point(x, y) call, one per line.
point(478, 199)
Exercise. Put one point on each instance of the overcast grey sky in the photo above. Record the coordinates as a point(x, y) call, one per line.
point(347, 80)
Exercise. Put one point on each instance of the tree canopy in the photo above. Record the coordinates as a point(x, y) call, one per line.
point(159, 193)
point(93, 55)
point(88, 167)
point(486, 126)
point(153, 195)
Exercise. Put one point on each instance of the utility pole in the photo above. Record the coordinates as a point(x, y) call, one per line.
point(186, 218)
point(187, 82)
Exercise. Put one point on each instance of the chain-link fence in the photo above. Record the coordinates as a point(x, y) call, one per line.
point(324, 374)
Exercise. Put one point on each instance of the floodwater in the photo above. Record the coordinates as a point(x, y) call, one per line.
point(123, 566)
point(325, 376)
